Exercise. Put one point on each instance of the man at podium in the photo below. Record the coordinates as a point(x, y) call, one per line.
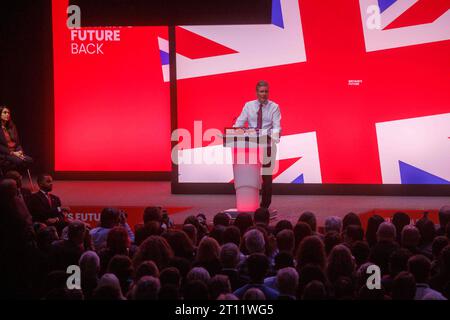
point(263, 114)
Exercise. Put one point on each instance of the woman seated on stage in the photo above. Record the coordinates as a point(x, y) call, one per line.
point(11, 151)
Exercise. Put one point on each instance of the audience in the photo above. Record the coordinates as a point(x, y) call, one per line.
point(246, 259)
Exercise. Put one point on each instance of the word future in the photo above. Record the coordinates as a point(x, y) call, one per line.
point(91, 41)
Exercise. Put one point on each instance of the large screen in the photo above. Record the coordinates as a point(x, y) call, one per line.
point(111, 104)
point(363, 88)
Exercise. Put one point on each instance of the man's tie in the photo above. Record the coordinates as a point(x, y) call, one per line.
point(49, 199)
point(259, 123)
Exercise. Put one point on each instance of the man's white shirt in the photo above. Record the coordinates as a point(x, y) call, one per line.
point(271, 117)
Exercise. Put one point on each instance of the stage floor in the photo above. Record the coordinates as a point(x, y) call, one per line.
point(142, 194)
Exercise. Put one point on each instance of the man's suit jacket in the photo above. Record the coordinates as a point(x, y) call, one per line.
point(40, 208)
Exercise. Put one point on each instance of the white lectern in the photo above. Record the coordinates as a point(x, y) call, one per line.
point(247, 149)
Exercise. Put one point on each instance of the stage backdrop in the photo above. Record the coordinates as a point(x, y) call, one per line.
point(361, 102)
point(112, 107)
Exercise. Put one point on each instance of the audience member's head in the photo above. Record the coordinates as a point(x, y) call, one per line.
point(398, 261)
point(151, 228)
point(404, 286)
point(283, 259)
point(301, 231)
point(219, 284)
point(109, 218)
point(229, 255)
point(169, 292)
point(254, 294)
point(254, 241)
point(195, 290)
point(146, 268)
point(222, 219)
point(386, 232)
point(286, 241)
point(118, 241)
point(330, 240)
point(170, 276)
point(426, 229)
point(262, 215)
point(76, 232)
point(340, 263)
point(410, 236)
point(282, 225)
point(350, 218)
point(198, 273)
point(208, 250)
point(89, 264)
point(45, 182)
point(217, 233)
point(311, 250)
point(372, 227)
point(315, 290)
point(180, 243)
point(444, 216)
point(16, 176)
point(191, 231)
point(287, 281)
point(121, 267)
point(232, 234)
point(152, 214)
point(353, 233)
point(400, 220)
point(45, 237)
point(228, 296)
point(147, 288)
point(419, 266)
point(108, 288)
point(309, 218)
point(243, 221)
point(360, 251)
point(439, 243)
point(258, 265)
point(308, 273)
point(154, 248)
point(333, 223)
point(344, 288)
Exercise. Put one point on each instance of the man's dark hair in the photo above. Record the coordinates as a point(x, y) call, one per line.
point(426, 229)
point(261, 83)
point(330, 240)
point(404, 286)
point(258, 265)
point(109, 217)
point(350, 218)
point(195, 290)
point(420, 267)
point(170, 276)
point(222, 218)
point(438, 244)
point(262, 215)
point(309, 218)
point(354, 232)
point(283, 260)
point(400, 220)
point(315, 290)
point(398, 261)
point(152, 214)
point(361, 251)
point(444, 216)
point(232, 234)
point(282, 225)
point(372, 227)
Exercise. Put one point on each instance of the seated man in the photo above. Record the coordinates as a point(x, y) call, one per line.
point(23, 193)
point(46, 207)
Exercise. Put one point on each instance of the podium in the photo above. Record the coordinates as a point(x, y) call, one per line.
point(247, 146)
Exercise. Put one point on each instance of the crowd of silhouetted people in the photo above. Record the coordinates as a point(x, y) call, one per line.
point(246, 258)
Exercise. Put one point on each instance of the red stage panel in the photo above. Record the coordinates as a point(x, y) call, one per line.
point(112, 107)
